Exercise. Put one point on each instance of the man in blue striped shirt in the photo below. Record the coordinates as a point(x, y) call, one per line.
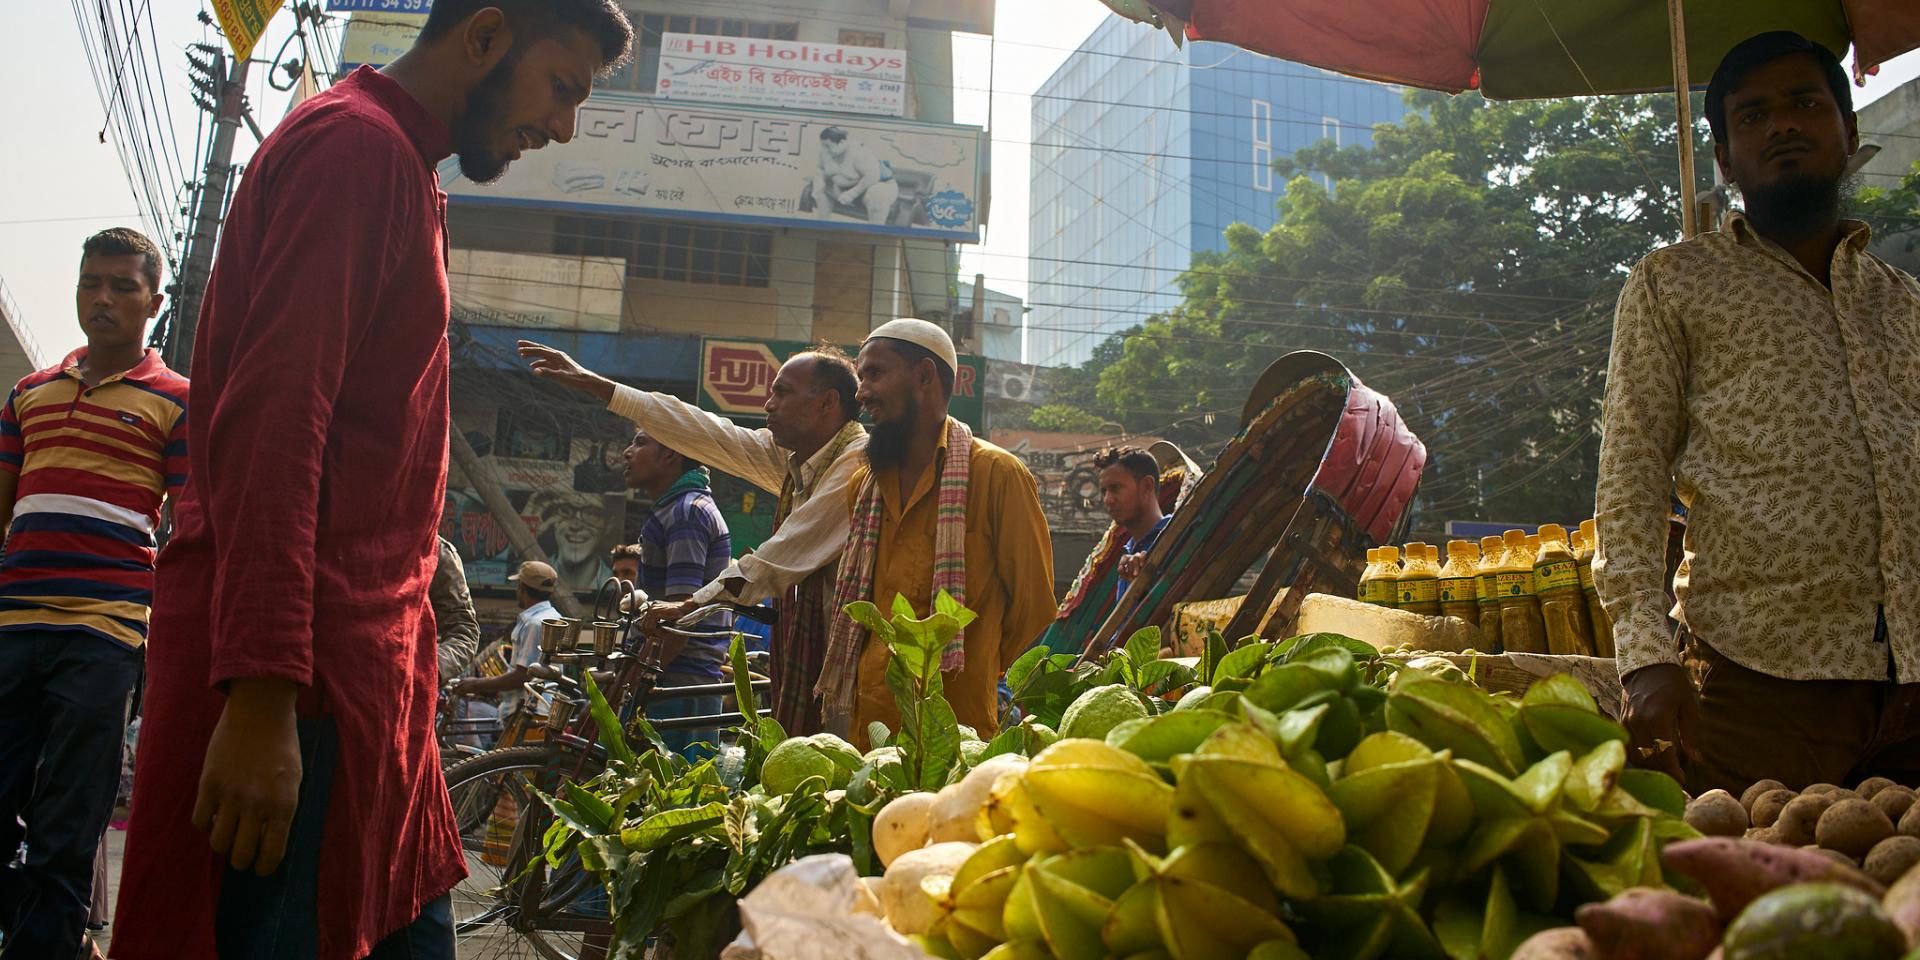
point(683, 545)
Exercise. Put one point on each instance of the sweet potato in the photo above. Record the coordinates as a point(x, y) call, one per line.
point(1736, 872)
point(1560, 943)
point(1648, 924)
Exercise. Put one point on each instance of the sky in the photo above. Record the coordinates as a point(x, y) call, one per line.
point(63, 183)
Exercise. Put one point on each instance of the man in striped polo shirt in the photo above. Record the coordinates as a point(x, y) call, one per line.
point(89, 447)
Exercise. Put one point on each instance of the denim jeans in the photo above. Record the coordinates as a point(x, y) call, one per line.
point(63, 713)
point(274, 917)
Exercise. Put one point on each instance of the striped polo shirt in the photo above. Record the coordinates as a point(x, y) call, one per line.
point(94, 464)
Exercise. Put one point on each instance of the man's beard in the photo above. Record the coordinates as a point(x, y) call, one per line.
point(1794, 207)
point(887, 442)
point(484, 117)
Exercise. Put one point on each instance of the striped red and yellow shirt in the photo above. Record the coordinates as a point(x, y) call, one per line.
point(94, 465)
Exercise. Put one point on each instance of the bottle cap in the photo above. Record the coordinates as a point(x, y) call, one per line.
point(1490, 545)
point(1552, 531)
point(1461, 548)
point(1389, 554)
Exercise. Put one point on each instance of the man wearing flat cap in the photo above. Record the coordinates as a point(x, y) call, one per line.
point(933, 509)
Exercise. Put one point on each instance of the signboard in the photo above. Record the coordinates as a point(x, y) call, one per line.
point(542, 291)
point(378, 41)
point(421, 7)
point(783, 73)
point(747, 165)
point(737, 375)
point(243, 21)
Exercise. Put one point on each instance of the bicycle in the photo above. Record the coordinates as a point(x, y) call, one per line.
point(511, 902)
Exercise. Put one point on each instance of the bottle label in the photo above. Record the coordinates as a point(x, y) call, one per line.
point(1557, 575)
point(1459, 590)
point(1586, 576)
point(1488, 587)
point(1419, 591)
point(1377, 591)
point(1514, 584)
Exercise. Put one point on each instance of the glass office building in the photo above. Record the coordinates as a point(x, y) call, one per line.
point(1143, 154)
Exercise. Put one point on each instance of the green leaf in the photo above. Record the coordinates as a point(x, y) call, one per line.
point(1211, 654)
point(670, 826)
point(1143, 647)
point(1023, 667)
point(946, 605)
point(1242, 661)
point(860, 836)
point(595, 811)
point(878, 734)
point(612, 738)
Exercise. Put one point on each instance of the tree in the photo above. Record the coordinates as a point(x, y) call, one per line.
point(1466, 264)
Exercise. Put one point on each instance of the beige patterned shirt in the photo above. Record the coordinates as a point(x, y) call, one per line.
point(1787, 417)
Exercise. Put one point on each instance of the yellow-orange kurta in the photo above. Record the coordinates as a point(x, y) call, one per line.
point(1009, 558)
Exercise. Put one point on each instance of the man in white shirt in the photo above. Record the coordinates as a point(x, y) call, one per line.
point(536, 582)
point(806, 454)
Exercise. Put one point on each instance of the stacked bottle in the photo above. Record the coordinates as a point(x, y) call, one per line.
point(1459, 581)
point(1586, 543)
point(1521, 629)
point(1492, 549)
point(1379, 583)
point(1420, 580)
point(1563, 609)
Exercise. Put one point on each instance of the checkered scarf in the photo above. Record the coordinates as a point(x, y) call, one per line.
point(846, 637)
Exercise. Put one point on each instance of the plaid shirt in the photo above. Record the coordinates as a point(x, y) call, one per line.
point(683, 545)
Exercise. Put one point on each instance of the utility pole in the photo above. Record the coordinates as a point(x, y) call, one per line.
point(225, 98)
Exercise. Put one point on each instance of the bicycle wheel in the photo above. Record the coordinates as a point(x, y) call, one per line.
point(499, 910)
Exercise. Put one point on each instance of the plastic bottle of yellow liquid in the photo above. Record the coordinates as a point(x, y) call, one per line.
point(1521, 630)
point(1459, 581)
point(1420, 581)
point(1488, 592)
point(1376, 587)
point(1388, 579)
point(1563, 610)
point(1587, 542)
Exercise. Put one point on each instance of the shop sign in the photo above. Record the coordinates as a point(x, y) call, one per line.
point(243, 21)
point(634, 154)
point(540, 291)
point(421, 7)
point(377, 41)
point(783, 73)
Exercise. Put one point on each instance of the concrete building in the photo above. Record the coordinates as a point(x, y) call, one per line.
point(1002, 332)
point(1144, 154)
point(1892, 123)
point(19, 352)
point(761, 176)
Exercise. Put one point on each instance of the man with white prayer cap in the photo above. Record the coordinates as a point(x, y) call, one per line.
point(934, 509)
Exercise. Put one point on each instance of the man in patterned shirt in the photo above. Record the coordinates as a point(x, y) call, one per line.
point(88, 449)
point(683, 545)
point(1770, 374)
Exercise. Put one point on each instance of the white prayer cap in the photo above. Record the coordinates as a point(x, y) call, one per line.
point(920, 333)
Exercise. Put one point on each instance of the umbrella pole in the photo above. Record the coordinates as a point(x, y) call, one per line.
point(1683, 102)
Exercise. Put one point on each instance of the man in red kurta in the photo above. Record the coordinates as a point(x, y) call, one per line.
point(287, 797)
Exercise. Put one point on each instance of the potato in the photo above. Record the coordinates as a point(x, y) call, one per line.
point(1799, 817)
point(1766, 808)
point(1762, 835)
point(1852, 827)
point(908, 908)
point(1902, 904)
point(1834, 855)
point(1758, 790)
point(1736, 872)
point(1894, 801)
point(1821, 788)
point(1871, 787)
point(956, 809)
point(1648, 924)
point(1559, 943)
point(1717, 814)
point(866, 896)
point(901, 826)
point(1910, 821)
point(1890, 859)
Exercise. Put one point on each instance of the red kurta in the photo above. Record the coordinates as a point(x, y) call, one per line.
point(305, 536)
